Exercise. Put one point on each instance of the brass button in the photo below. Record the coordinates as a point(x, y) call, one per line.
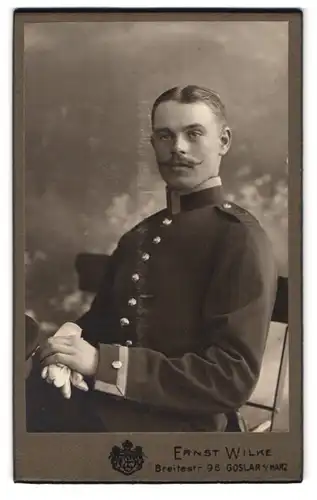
point(227, 205)
point(128, 343)
point(135, 277)
point(145, 256)
point(132, 302)
point(157, 240)
point(124, 322)
point(167, 221)
point(117, 365)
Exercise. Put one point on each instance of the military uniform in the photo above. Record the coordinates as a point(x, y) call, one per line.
point(181, 318)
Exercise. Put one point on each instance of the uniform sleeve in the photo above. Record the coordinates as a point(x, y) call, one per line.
point(98, 318)
point(220, 377)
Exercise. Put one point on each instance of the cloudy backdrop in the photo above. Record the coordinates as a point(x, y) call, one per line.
point(90, 171)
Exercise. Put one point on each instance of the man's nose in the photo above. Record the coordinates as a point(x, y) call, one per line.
point(180, 145)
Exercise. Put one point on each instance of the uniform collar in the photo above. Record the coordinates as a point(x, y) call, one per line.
point(212, 195)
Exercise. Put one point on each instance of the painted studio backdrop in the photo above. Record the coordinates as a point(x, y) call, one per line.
point(90, 173)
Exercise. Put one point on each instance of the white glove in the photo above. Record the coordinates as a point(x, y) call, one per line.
point(60, 375)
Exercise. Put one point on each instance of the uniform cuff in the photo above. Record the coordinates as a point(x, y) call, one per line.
point(112, 370)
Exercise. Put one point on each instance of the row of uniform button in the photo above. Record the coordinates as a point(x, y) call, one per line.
point(136, 277)
point(145, 257)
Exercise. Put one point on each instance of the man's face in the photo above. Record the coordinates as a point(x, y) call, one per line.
point(188, 144)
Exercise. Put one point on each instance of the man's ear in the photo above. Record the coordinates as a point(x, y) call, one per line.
point(225, 140)
point(152, 140)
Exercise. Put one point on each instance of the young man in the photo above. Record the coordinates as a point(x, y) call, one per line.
point(175, 337)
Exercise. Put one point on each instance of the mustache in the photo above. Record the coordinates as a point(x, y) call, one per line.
point(181, 161)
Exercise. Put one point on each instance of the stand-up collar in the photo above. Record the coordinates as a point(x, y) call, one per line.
point(209, 196)
point(212, 195)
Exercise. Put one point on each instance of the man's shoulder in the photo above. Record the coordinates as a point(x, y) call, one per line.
point(234, 217)
point(237, 215)
point(243, 225)
point(143, 226)
point(244, 237)
point(148, 221)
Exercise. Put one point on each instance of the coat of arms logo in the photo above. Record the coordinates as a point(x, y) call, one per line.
point(127, 459)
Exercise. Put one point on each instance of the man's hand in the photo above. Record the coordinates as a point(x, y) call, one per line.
point(71, 351)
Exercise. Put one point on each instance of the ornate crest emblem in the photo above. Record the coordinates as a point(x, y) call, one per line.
point(126, 459)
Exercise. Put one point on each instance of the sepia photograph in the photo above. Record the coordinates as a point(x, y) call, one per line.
point(156, 229)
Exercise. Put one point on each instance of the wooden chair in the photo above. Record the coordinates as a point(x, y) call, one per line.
point(268, 413)
point(90, 268)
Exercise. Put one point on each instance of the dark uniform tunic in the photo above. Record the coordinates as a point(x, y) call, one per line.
point(181, 318)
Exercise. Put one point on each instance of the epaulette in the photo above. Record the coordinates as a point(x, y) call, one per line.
point(238, 213)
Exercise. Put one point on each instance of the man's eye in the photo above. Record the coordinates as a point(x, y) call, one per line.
point(193, 134)
point(165, 137)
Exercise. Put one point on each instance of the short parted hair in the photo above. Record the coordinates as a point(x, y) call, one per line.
point(193, 93)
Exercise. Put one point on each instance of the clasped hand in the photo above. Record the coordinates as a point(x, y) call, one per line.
point(66, 358)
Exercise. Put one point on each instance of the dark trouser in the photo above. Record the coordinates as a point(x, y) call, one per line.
point(48, 411)
point(234, 423)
